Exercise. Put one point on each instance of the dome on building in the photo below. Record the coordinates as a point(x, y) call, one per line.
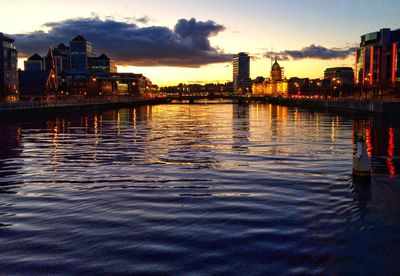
point(276, 65)
point(276, 71)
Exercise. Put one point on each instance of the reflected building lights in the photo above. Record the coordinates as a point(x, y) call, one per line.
point(96, 137)
point(368, 140)
point(55, 144)
point(391, 153)
point(87, 124)
point(119, 122)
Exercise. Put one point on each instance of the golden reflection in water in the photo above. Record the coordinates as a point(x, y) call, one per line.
point(96, 136)
point(317, 126)
point(18, 135)
point(257, 112)
point(281, 121)
point(134, 120)
point(332, 130)
point(119, 122)
point(296, 122)
point(55, 144)
point(391, 149)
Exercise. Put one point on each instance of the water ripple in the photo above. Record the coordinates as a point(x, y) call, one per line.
point(204, 189)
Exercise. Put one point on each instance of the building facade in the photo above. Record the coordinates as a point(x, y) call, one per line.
point(377, 59)
point(80, 55)
point(241, 73)
point(34, 63)
point(275, 86)
point(77, 71)
point(8, 69)
point(103, 65)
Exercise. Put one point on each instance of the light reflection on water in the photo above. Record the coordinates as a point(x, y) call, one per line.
point(197, 188)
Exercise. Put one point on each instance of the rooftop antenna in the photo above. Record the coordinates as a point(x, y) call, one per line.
point(272, 50)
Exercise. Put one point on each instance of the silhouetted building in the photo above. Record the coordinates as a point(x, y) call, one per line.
point(123, 84)
point(34, 63)
point(103, 65)
point(377, 58)
point(62, 58)
point(344, 75)
point(8, 69)
point(34, 83)
point(259, 80)
point(241, 73)
point(39, 80)
point(80, 54)
point(76, 70)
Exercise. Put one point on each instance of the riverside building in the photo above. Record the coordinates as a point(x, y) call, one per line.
point(377, 58)
point(241, 73)
point(8, 69)
point(276, 85)
point(76, 70)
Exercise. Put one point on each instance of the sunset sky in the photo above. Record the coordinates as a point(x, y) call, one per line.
point(192, 41)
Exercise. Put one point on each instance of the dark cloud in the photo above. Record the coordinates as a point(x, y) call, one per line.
point(188, 45)
point(144, 19)
point(313, 51)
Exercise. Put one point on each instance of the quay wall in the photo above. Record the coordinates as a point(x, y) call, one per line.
point(342, 105)
point(75, 105)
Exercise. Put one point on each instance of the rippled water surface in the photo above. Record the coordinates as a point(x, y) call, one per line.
point(188, 189)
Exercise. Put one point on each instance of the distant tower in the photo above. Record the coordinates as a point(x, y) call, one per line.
point(276, 71)
point(241, 73)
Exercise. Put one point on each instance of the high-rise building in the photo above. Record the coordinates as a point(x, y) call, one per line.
point(8, 68)
point(377, 58)
point(81, 54)
point(241, 73)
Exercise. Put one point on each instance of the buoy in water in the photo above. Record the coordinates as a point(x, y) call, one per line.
point(361, 160)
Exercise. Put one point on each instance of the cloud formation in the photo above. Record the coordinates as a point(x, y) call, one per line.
point(313, 51)
point(187, 45)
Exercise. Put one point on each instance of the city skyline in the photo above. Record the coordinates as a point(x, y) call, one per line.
point(308, 35)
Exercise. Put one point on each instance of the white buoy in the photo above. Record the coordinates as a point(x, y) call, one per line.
point(361, 160)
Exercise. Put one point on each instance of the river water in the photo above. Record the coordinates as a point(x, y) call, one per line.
point(198, 189)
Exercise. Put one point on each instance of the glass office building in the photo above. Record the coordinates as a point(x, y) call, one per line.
point(81, 52)
point(8, 68)
point(377, 58)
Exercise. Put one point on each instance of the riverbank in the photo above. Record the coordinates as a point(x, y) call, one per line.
point(341, 105)
point(76, 104)
point(352, 106)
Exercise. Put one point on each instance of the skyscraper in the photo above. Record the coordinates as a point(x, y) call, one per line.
point(241, 73)
point(81, 54)
point(8, 68)
point(377, 58)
